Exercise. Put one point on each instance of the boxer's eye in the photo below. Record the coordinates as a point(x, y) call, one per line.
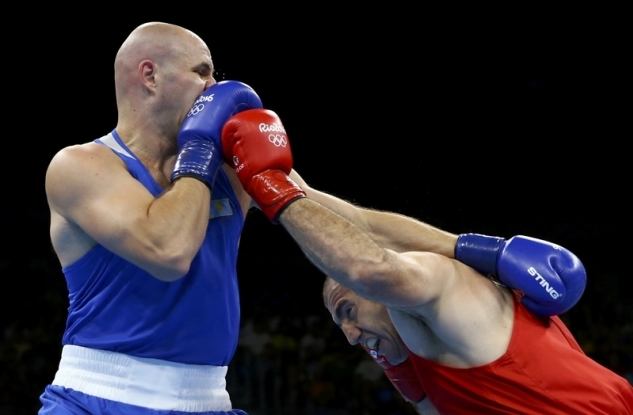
point(203, 69)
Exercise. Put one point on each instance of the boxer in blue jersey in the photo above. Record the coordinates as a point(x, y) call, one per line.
point(146, 222)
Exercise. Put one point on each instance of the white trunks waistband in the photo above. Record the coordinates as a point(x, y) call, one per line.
point(150, 383)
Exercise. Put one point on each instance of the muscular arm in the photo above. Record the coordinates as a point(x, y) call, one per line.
point(89, 188)
point(390, 230)
point(436, 297)
point(348, 255)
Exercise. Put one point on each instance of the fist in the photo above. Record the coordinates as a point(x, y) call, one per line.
point(255, 143)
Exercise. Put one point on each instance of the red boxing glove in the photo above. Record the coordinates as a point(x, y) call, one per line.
point(402, 376)
point(254, 142)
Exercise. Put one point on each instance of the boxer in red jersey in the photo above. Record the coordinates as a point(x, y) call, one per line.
point(473, 344)
point(535, 368)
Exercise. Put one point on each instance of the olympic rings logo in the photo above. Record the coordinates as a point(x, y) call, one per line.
point(195, 110)
point(278, 140)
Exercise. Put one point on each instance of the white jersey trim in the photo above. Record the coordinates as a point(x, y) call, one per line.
point(111, 142)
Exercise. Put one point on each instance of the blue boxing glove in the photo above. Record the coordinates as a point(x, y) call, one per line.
point(551, 277)
point(199, 145)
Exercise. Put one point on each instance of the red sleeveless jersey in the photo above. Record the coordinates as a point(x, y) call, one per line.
point(544, 372)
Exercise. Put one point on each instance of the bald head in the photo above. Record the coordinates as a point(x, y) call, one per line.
point(159, 70)
point(155, 41)
point(161, 43)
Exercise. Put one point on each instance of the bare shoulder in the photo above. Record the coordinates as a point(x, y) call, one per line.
point(474, 303)
point(425, 277)
point(466, 320)
point(439, 280)
point(74, 169)
point(75, 184)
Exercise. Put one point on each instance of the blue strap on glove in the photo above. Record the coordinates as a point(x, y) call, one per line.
point(199, 139)
point(551, 277)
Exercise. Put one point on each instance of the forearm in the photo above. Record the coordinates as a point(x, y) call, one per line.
point(403, 234)
point(390, 230)
point(171, 232)
point(181, 214)
point(337, 247)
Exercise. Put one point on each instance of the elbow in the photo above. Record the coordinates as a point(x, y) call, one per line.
point(170, 274)
point(371, 279)
point(169, 267)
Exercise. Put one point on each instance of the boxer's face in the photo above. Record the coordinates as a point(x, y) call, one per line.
point(188, 73)
point(364, 322)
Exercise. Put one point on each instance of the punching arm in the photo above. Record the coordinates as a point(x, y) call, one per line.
point(390, 230)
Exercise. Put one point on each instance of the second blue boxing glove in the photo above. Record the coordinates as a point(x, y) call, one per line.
point(551, 277)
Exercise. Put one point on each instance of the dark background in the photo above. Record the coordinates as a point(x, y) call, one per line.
point(498, 121)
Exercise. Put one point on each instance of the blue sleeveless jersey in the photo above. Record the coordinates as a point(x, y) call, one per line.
point(115, 305)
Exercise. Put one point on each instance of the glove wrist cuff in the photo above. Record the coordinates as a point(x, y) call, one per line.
point(479, 251)
point(274, 191)
point(200, 159)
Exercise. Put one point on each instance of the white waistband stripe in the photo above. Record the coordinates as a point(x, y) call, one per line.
point(150, 383)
